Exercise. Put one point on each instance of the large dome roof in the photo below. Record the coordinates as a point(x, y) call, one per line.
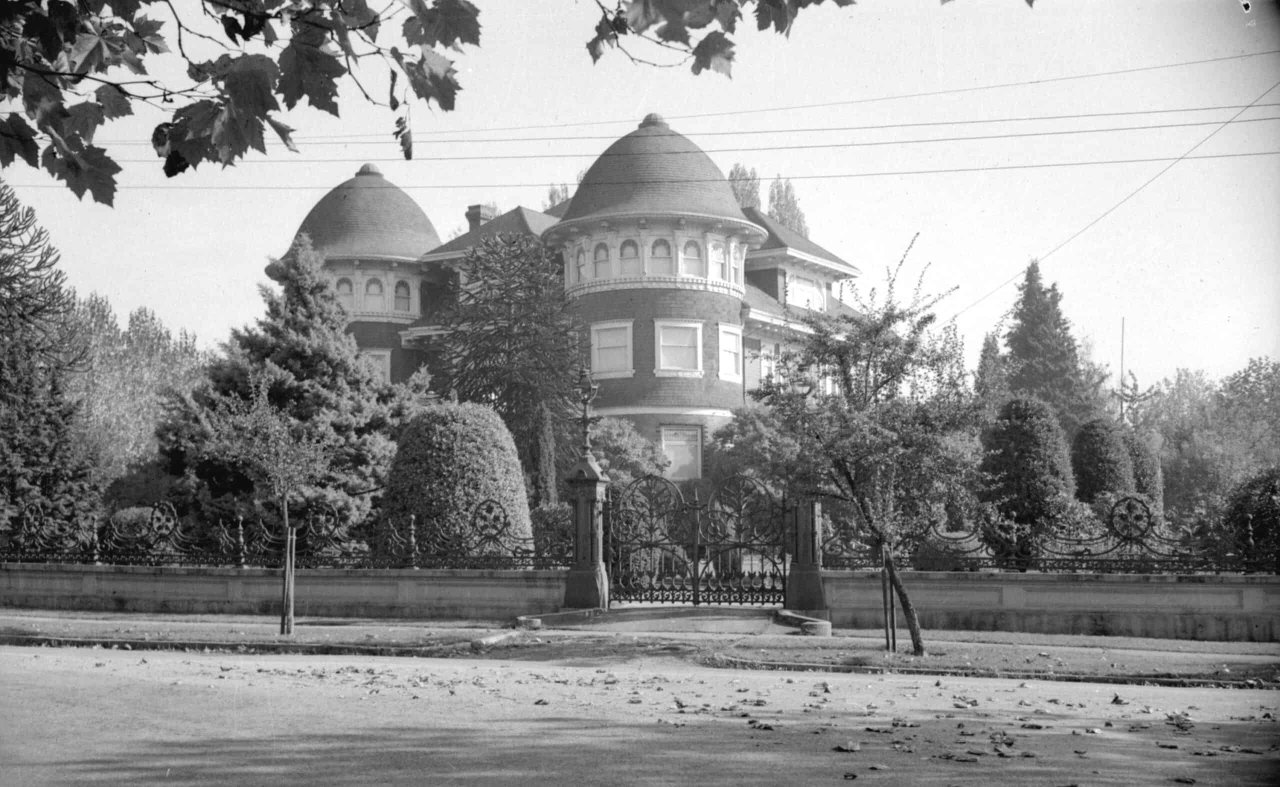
point(653, 171)
point(367, 218)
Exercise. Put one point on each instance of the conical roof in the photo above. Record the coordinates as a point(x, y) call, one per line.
point(368, 217)
point(653, 171)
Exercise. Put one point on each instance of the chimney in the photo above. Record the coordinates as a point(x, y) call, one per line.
point(479, 214)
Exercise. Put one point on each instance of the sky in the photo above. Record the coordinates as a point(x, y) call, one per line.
point(866, 109)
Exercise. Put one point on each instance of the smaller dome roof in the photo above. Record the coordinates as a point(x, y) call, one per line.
point(368, 217)
point(653, 171)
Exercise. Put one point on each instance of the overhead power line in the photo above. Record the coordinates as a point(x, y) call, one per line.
point(1172, 163)
point(665, 181)
point(349, 139)
point(745, 149)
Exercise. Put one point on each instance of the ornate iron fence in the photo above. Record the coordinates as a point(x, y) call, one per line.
point(1130, 540)
point(487, 539)
point(731, 550)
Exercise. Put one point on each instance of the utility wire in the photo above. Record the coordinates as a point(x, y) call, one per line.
point(348, 139)
point(1184, 157)
point(769, 148)
point(667, 181)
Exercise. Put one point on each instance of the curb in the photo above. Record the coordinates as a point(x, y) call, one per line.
point(733, 662)
point(300, 648)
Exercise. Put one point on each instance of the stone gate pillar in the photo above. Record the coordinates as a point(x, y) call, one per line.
point(804, 579)
point(588, 584)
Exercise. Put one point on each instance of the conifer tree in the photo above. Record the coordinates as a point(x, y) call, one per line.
point(991, 380)
point(312, 373)
point(514, 343)
point(785, 206)
point(41, 464)
point(1101, 461)
point(746, 186)
point(1044, 360)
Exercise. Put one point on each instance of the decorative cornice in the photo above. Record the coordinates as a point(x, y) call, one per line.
point(653, 283)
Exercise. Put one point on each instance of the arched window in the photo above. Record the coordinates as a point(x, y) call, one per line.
point(691, 262)
point(346, 294)
point(629, 257)
point(402, 296)
point(580, 266)
point(721, 261)
point(373, 298)
point(600, 261)
point(660, 259)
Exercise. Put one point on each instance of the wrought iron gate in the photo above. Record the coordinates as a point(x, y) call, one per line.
point(733, 549)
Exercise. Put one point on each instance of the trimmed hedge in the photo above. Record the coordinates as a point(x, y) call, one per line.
point(451, 458)
point(1100, 460)
point(1031, 485)
point(1253, 515)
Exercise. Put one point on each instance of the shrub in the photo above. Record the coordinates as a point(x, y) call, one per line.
point(1100, 460)
point(1148, 479)
point(1031, 484)
point(451, 458)
point(1253, 516)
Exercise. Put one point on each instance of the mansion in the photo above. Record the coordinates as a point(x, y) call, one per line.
point(688, 297)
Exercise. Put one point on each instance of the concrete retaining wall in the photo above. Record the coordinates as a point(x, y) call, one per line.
point(1210, 607)
point(442, 593)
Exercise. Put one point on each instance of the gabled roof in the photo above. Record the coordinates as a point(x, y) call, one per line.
point(783, 238)
point(518, 221)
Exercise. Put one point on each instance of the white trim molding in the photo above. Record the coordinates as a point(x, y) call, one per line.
point(733, 375)
point(659, 370)
point(671, 411)
point(597, 370)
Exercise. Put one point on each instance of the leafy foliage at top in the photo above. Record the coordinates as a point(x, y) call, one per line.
point(1100, 460)
point(785, 206)
point(746, 186)
point(72, 66)
point(1026, 460)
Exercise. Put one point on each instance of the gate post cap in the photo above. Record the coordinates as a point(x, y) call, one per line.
point(588, 470)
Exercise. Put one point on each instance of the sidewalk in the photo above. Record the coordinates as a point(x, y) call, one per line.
point(743, 638)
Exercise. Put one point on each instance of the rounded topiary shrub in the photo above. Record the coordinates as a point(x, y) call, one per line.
point(449, 460)
point(1030, 474)
point(1253, 517)
point(1100, 460)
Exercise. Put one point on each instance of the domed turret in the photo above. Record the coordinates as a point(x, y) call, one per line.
point(369, 218)
point(653, 172)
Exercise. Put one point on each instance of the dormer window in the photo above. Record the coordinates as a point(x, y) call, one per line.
point(805, 293)
point(691, 262)
point(600, 261)
point(373, 298)
point(402, 296)
point(660, 263)
point(629, 259)
point(346, 294)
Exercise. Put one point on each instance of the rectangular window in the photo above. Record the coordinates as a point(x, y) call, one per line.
point(683, 446)
point(805, 293)
point(678, 349)
point(731, 353)
point(611, 350)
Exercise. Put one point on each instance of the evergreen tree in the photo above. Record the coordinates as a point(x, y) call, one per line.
point(1044, 360)
point(1101, 461)
point(42, 466)
point(1147, 477)
point(746, 186)
point(514, 343)
point(785, 207)
point(314, 376)
point(1031, 483)
point(991, 380)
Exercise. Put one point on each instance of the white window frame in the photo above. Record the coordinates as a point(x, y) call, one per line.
point(817, 290)
point(381, 296)
point(408, 297)
point(658, 369)
point(612, 374)
point(636, 263)
point(379, 361)
point(701, 271)
point(346, 300)
point(580, 266)
point(733, 375)
point(674, 431)
point(601, 267)
point(671, 259)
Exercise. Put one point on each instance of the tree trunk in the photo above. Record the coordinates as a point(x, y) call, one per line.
point(544, 458)
point(286, 600)
point(908, 609)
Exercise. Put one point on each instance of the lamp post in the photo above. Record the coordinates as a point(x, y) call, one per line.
point(587, 390)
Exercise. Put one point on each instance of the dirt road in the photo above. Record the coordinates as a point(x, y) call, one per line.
point(82, 716)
